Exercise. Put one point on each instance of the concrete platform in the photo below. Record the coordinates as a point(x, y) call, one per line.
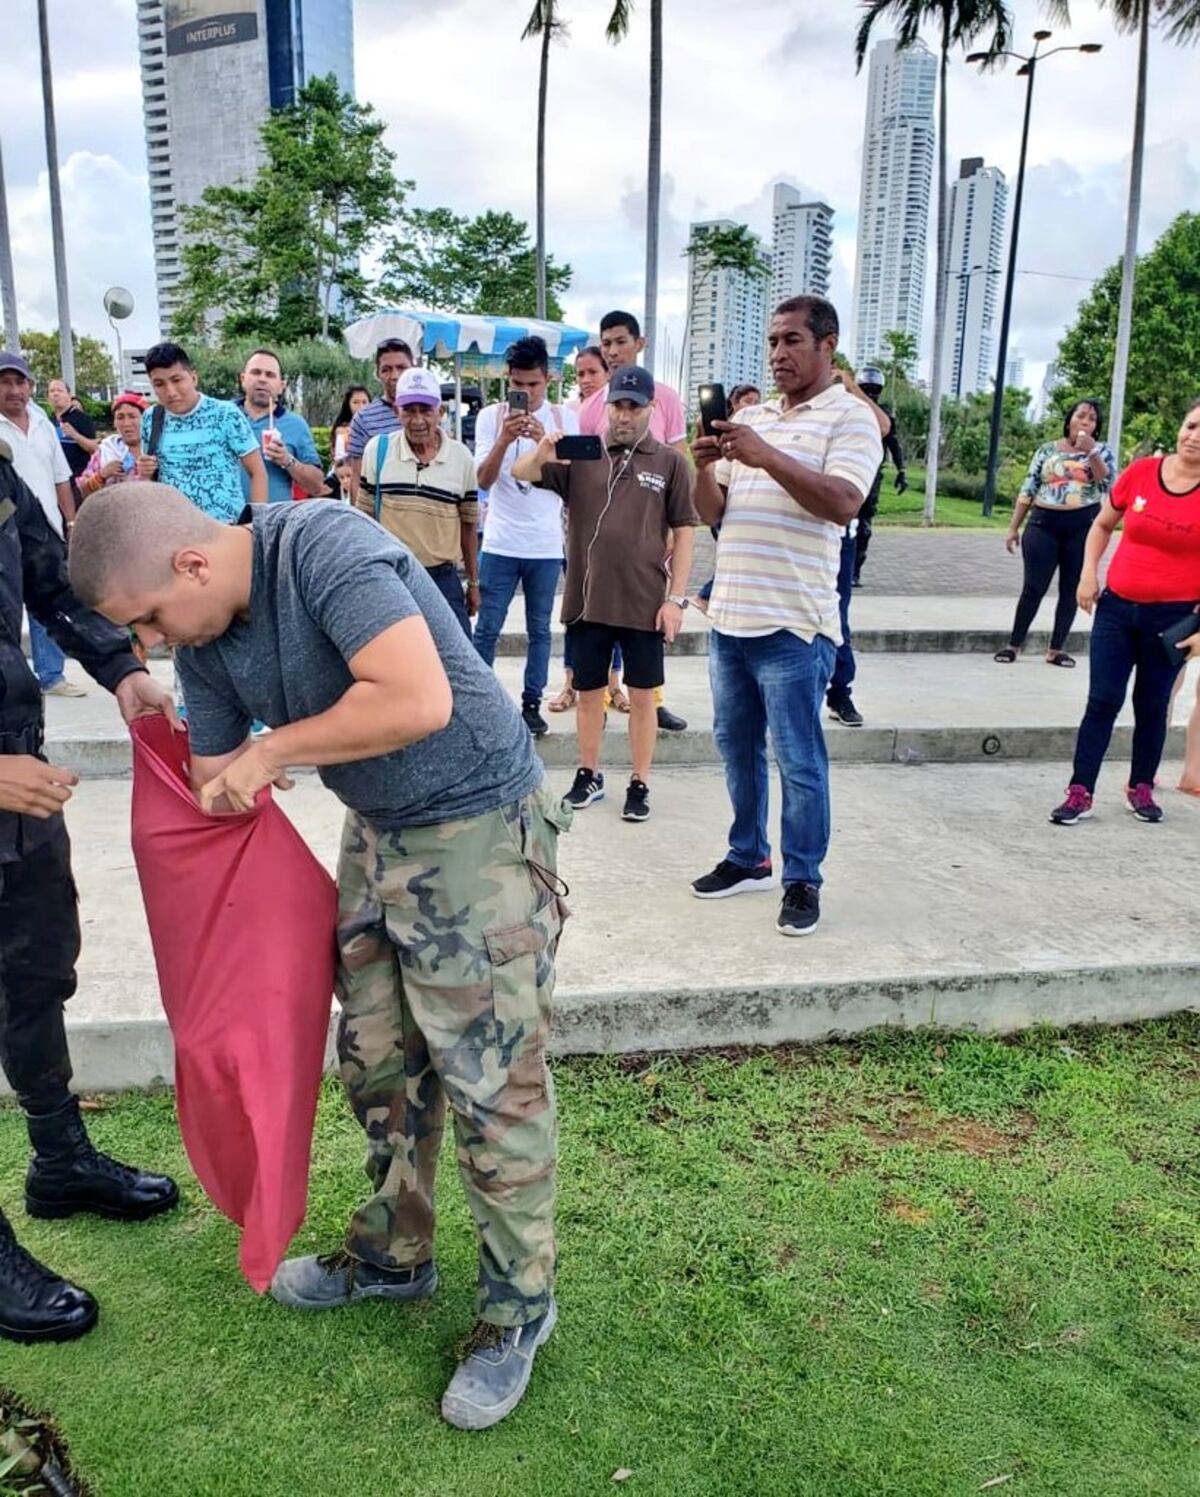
point(919, 708)
point(949, 900)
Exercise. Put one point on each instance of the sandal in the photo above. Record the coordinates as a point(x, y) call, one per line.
point(1006, 656)
point(566, 701)
point(615, 698)
point(1060, 657)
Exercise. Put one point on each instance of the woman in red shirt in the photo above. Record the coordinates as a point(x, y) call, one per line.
point(1153, 584)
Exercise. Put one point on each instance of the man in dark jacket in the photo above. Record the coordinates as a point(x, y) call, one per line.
point(39, 923)
point(870, 383)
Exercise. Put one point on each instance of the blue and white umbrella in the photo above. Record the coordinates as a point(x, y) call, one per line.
point(468, 340)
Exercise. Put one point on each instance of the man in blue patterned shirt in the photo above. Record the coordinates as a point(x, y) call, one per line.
point(198, 445)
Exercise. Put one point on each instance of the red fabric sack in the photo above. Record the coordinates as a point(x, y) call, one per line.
point(242, 920)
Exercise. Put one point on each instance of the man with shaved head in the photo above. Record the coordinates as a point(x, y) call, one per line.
point(315, 620)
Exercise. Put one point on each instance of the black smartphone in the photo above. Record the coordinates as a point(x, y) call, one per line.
point(713, 407)
point(518, 400)
point(1176, 634)
point(579, 449)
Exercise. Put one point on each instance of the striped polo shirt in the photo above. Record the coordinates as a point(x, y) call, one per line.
point(777, 565)
point(421, 504)
point(372, 421)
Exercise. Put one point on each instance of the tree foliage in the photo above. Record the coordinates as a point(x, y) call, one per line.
point(1164, 354)
point(281, 256)
point(455, 263)
point(94, 372)
point(727, 247)
point(317, 373)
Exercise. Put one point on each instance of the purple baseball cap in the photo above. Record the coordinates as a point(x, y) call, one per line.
point(10, 360)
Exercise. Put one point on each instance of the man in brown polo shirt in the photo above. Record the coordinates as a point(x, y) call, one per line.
point(624, 514)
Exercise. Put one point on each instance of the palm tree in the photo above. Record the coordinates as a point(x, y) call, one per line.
point(617, 29)
point(543, 22)
point(1182, 19)
point(960, 23)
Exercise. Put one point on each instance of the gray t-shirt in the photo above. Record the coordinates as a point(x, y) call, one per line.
point(327, 580)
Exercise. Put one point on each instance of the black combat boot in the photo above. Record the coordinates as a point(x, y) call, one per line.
point(35, 1304)
point(67, 1175)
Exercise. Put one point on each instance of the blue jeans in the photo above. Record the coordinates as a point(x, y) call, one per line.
point(499, 577)
point(774, 683)
point(1125, 643)
point(48, 660)
point(845, 670)
point(445, 577)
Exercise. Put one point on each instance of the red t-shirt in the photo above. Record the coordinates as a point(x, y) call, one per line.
point(1158, 557)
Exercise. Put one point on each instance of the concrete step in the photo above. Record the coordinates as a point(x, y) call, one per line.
point(949, 900)
point(919, 708)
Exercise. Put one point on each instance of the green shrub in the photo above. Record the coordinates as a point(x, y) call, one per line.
point(321, 438)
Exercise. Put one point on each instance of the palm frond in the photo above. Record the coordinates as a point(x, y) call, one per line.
point(1182, 20)
point(543, 17)
point(1127, 14)
point(873, 11)
point(618, 23)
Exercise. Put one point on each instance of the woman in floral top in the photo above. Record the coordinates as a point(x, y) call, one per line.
point(1068, 482)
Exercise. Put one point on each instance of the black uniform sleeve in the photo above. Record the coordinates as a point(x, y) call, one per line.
point(891, 445)
point(100, 647)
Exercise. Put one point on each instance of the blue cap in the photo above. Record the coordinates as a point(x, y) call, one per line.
point(11, 360)
point(631, 383)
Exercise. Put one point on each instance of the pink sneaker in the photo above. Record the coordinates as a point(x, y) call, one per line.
point(1140, 800)
point(1076, 807)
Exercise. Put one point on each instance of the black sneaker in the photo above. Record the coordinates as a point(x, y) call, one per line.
point(731, 878)
point(669, 723)
point(532, 717)
point(800, 910)
point(588, 787)
point(637, 801)
point(843, 710)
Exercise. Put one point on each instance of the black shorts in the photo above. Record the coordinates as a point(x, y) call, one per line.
point(591, 655)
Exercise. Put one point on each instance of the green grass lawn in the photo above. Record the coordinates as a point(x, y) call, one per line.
point(959, 514)
point(905, 1266)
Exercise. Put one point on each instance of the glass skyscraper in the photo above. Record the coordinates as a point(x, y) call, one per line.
point(211, 70)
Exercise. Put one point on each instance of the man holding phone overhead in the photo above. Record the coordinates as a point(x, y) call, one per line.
point(523, 531)
point(626, 509)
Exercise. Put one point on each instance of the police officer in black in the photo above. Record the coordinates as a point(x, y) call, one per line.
point(870, 382)
point(39, 922)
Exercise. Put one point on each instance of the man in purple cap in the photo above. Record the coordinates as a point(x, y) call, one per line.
point(420, 485)
point(624, 514)
point(38, 457)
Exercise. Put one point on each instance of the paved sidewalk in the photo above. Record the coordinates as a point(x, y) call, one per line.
point(943, 884)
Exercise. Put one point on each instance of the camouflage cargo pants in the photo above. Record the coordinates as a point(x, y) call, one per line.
point(447, 936)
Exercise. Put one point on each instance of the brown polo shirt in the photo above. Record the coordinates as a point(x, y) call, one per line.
point(620, 514)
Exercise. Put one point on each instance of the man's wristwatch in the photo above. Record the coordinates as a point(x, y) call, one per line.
point(680, 601)
point(291, 462)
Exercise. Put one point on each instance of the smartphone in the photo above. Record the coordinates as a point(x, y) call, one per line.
point(579, 449)
point(713, 407)
point(518, 400)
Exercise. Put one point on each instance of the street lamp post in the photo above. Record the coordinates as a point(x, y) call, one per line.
point(1028, 69)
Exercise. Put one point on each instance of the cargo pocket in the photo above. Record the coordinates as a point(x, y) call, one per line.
point(522, 962)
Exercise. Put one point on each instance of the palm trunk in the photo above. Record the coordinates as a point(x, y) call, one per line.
point(653, 179)
point(1132, 215)
point(543, 89)
point(8, 288)
point(66, 347)
point(939, 298)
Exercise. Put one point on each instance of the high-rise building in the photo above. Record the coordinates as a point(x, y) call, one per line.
point(211, 71)
point(978, 201)
point(1044, 400)
point(727, 323)
point(801, 246)
point(893, 208)
point(1014, 370)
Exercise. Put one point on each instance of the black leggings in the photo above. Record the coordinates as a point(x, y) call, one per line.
point(1053, 538)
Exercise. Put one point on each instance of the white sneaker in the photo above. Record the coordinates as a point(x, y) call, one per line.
point(64, 689)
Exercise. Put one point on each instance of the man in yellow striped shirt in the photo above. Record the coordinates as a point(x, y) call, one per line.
point(783, 480)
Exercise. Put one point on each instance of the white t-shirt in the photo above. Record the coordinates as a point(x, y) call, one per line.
point(522, 521)
point(39, 460)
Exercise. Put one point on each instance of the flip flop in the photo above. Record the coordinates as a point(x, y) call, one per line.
point(1006, 656)
point(1062, 659)
point(1188, 789)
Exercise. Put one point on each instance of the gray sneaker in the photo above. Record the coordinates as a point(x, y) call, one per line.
point(496, 1365)
point(336, 1279)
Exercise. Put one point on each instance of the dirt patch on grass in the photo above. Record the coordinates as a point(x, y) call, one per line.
point(905, 1211)
point(920, 1126)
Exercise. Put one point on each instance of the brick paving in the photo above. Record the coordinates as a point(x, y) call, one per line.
point(918, 563)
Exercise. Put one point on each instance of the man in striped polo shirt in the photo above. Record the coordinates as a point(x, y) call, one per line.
point(783, 480)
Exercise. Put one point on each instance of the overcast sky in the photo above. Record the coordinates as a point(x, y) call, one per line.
point(754, 93)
